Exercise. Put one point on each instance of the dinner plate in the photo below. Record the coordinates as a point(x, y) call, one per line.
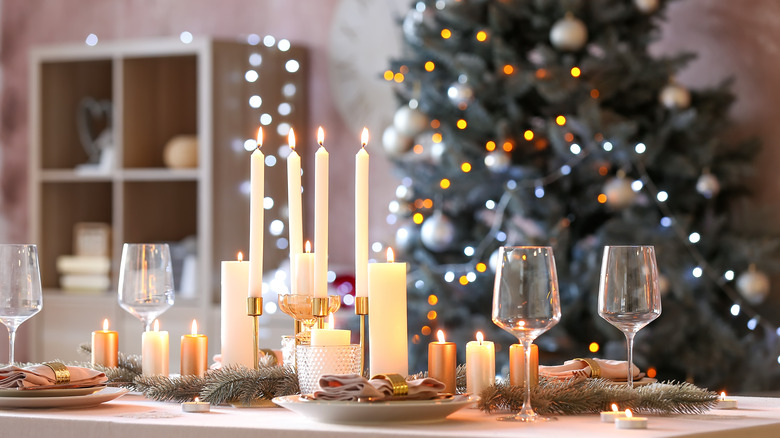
point(407, 411)
point(49, 392)
point(641, 382)
point(73, 401)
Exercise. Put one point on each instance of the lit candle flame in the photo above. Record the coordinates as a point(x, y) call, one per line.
point(440, 335)
point(194, 328)
point(390, 255)
point(628, 413)
point(614, 407)
point(307, 246)
point(320, 136)
point(240, 256)
point(723, 395)
point(364, 137)
point(197, 399)
point(105, 325)
point(156, 325)
point(331, 322)
point(259, 137)
point(480, 337)
point(291, 139)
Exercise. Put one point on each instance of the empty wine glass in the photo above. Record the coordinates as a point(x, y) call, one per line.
point(20, 288)
point(146, 281)
point(629, 296)
point(526, 304)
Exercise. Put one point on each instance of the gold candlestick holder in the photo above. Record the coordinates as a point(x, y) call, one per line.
point(319, 309)
point(254, 308)
point(361, 309)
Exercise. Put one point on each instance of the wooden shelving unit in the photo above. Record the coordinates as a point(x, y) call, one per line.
point(158, 89)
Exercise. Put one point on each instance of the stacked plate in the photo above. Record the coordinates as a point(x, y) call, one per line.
point(58, 397)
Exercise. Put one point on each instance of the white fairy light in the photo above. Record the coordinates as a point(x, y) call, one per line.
point(565, 169)
point(270, 160)
point(728, 275)
point(501, 236)
point(694, 237)
point(490, 204)
point(468, 251)
point(292, 66)
point(276, 227)
point(283, 45)
point(575, 149)
point(250, 144)
point(449, 276)
point(266, 119)
point(268, 203)
point(253, 39)
point(662, 196)
point(471, 277)
point(269, 41)
point(640, 148)
point(91, 40)
point(666, 222)
point(284, 109)
point(637, 185)
point(270, 307)
point(735, 309)
point(251, 76)
point(348, 299)
point(607, 146)
point(377, 247)
point(185, 37)
point(255, 59)
point(752, 324)
point(391, 219)
point(331, 276)
point(697, 271)
point(255, 101)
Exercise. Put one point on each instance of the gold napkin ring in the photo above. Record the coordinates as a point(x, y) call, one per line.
point(400, 387)
point(61, 373)
point(595, 369)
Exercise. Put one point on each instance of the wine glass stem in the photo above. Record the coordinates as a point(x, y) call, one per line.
point(630, 366)
point(147, 326)
point(11, 339)
point(527, 410)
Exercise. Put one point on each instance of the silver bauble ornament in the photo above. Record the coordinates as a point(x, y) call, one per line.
point(498, 161)
point(708, 185)
point(493, 260)
point(674, 96)
point(753, 285)
point(569, 33)
point(438, 151)
point(395, 143)
point(404, 192)
point(409, 121)
point(437, 232)
point(459, 93)
point(646, 6)
point(619, 192)
point(406, 235)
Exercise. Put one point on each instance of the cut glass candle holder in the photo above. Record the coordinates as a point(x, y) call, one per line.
point(315, 361)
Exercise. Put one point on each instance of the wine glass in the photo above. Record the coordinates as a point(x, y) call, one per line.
point(146, 281)
point(629, 296)
point(526, 304)
point(20, 288)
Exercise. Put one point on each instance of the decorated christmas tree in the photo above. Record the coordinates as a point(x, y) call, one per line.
point(549, 122)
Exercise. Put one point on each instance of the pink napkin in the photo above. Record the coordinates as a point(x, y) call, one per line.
point(351, 387)
point(610, 369)
point(42, 377)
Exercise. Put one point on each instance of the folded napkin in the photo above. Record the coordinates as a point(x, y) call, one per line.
point(44, 377)
point(351, 387)
point(603, 368)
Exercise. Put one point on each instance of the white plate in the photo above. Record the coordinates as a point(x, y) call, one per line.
point(75, 401)
point(411, 411)
point(49, 392)
point(641, 382)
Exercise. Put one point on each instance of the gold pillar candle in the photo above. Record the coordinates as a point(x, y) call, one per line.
point(105, 346)
point(442, 362)
point(194, 352)
point(517, 364)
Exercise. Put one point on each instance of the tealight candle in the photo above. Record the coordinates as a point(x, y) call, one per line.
point(195, 406)
point(630, 422)
point(609, 416)
point(726, 403)
point(154, 352)
point(105, 346)
point(194, 352)
point(480, 365)
point(442, 361)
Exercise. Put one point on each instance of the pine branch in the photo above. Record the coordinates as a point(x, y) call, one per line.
point(163, 388)
point(244, 385)
point(127, 369)
point(589, 396)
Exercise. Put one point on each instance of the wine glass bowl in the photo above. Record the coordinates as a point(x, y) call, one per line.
point(526, 304)
point(629, 294)
point(21, 295)
point(299, 307)
point(146, 281)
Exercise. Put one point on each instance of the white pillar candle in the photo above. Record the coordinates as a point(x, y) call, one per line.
point(304, 278)
point(294, 209)
point(361, 218)
point(480, 365)
point(154, 352)
point(321, 218)
point(630, 422)
point(236, 325)
point(725, 403)
point(329, 336)
point(389, 352)
point(609, 416)
point(105, 346)
point(256, 222)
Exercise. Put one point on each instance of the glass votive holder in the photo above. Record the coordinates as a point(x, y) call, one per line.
point(314, 361)
point(288, 350)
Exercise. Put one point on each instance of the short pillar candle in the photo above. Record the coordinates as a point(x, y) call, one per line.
point(442, 362)
point(194, 352)
point(480, 365)
point(105, 347)
point(517, 364)
point(154, 352)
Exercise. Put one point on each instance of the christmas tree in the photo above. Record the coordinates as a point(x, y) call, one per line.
point(548, 122)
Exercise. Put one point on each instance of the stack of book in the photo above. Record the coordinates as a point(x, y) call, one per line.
point(84, 274)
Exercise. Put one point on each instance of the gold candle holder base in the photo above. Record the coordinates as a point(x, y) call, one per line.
point(361, 309)
point(254, 308)
point(319, 309)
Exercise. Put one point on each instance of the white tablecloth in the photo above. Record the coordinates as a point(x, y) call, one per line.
point(134, 416)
